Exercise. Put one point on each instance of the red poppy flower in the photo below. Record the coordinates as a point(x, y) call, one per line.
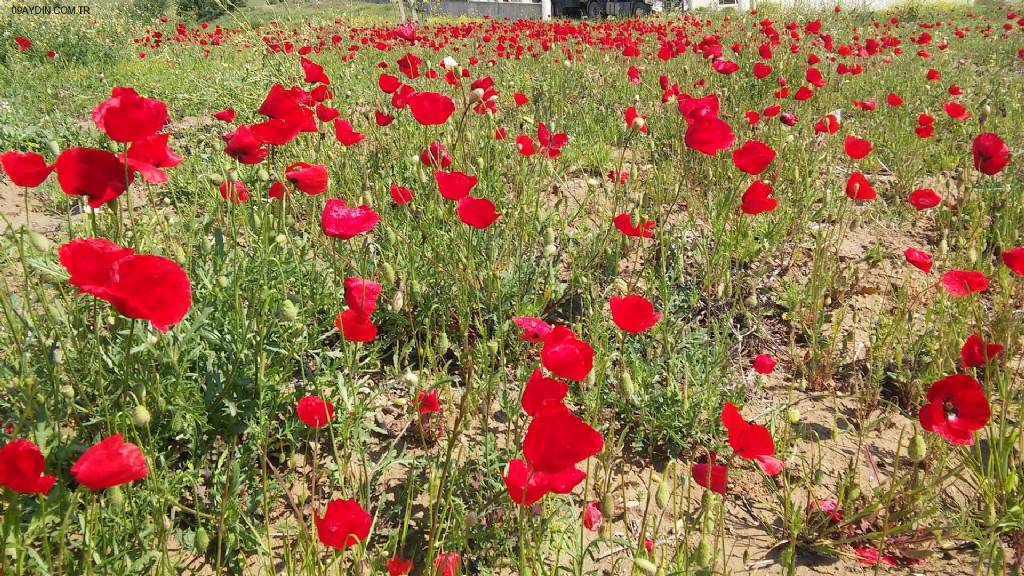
point(534, 329)
point(592, 516)
point(827, 125)
point(633, 313)
point(139, 286)
point(540, 389)
point(243, 145)
point(97, 174)
point(356, 326)
point(918, 259)
point(427, 402)
point(956, 111)
point(344, 524)
point(763, 364)
point(454, 185)
point(21, 468)
point(633, 73)
point(382, 119)
point(893, 99)
point(803, 94)
point(340, 221)
point(23, 43)
point(227, 115)
point(1014, 260)
point(278, 131)
point(409, 65)
point(314, 73)
point(567, 356)
point(520, 99)
point(762, 70)
point(976, 352)
point(310, 178)
point(961, 283)
point(25, 169)
point(858, 187)
point(924, 198)
point(556, 439)
point(642, 229)
point(326, 113)
point(788, 118)
point(723, 66)
point(753, 157)
point(710, 474)
point(346, 134)
point(758, 198)
point(128, 117)
point(435, 156)
point(361, 294)
point(401, 194)
point(526, 487)
point(150, 156)
point(933, 75)
point(635, 121)
point(110, 463)
point(447, 564)
point(398, 567)
point(234, 191)
point(707, 133)
point(990, 153)
point(431, 108)
point(477, 212)
point(855, 147)
point(956, 407)
point(524, 144)
point(750, 441)
point(388, 83)
point(551, 144)
point(281, 102)
point(314, 411)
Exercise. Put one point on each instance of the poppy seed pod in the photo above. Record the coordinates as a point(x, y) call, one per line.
point(476, 95)
point(645, 566)
point(389, 273)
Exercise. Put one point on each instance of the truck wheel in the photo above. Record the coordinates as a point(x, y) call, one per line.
point(593, 10)
point(641, 9)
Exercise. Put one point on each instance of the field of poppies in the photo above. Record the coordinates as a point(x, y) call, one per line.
point(701, 293)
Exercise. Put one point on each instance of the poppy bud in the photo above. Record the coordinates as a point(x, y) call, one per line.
point(417, 289)
point(179, 255)
point(67, 391)
point(202, 541)
point(442, 343)
point(917, 449)
point(492, 346)
point(638, 124)
point(280, 239)
point(288, 311)
point(215, 179)
point(53, 147)
point(620, 286)
point(645, 566)
point(628, 389)
point(793, 415)
point(471, 520)
point(476, 95)
point(854, 493)
point(972, 254)
point(222, 281)
point(751, 301)
point(111, 320)
point(411, 379)
point(389, 273)
point(141, 416)
point(177, 424)
point(550, 251)
point(397, 301)
point(38, 241)
point(662, 495)
point(943, 247)
point(262, 175)
point(115, 496)
point(549, 235)
point(55, 312)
